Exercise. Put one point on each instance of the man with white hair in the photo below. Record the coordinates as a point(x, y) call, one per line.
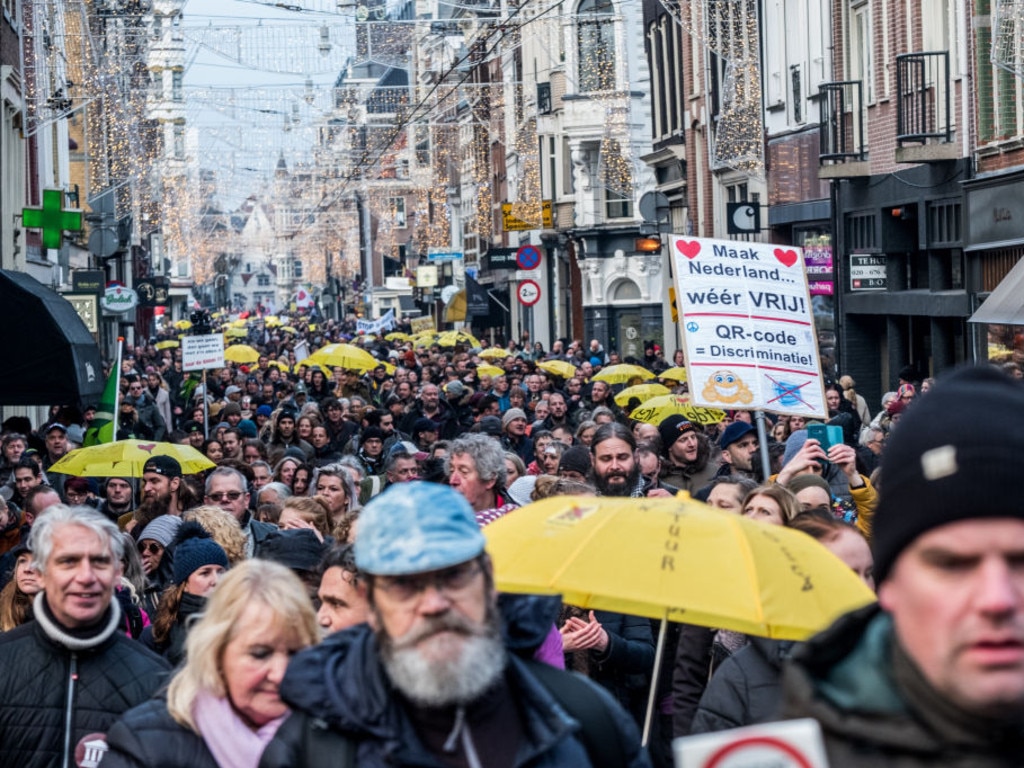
point(72, 672)
point(429, 680)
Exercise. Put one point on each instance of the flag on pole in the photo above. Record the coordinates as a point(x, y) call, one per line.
point(104, 423)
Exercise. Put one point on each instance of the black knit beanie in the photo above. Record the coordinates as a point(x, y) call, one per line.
point(956, 454)
point(194, 548)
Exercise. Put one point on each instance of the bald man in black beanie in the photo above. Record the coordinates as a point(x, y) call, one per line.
point(934, 673)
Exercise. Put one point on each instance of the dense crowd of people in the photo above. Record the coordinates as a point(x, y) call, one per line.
point(155, 618)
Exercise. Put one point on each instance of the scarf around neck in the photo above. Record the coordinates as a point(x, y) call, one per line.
point(232, 743)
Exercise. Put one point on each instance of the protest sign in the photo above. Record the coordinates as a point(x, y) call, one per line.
point(747, 326)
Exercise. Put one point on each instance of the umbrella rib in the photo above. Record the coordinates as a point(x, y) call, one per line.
point(582, 545)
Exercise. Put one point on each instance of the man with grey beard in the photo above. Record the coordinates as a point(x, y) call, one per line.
point(428, 681)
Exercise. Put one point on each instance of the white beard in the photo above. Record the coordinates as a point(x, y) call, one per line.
point(446, 668)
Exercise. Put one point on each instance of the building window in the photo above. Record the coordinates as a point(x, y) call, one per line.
point(179, 142)
point(595, 46)
point(177, 85)
point(861, 63)
point(398, 211)
point(297, 269)
point(263, 280)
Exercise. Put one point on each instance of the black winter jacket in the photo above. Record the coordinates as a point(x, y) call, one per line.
point(40, 675)
point(148, 737)
point(746, 689)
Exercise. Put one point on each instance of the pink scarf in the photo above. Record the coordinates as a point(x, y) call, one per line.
point(232, 743)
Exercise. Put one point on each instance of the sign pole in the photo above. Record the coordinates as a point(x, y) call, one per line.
point(762, 441)
point(206, 410)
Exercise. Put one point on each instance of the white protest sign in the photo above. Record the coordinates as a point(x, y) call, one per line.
point(789, 744)
point(201, 352)
point(747, 325)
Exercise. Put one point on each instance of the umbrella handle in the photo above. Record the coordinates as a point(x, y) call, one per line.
point(659, 651)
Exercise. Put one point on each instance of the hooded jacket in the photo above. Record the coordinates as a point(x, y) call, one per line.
point(875, 708)
point(342, 684)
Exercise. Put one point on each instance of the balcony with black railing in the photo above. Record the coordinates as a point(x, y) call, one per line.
point(843, 141)
point(924, 108)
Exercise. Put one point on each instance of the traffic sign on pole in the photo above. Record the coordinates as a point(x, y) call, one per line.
point(528, 257)
point(528, 293)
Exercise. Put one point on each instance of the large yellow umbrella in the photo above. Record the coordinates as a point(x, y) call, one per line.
point(676, 373)
point(659, 408)
point(183, 325)
point(241, 353)
point(451, 338)
point(558, 368)
point(489, 370)
point(168, 344)
point(239, 323)
point(642, 392)
point(342, 355)
point(493, 353)
point(126, 458)
point(236, 333)
point(398, 336)
point(272, 321)
point(622, 374)
point(673, 559)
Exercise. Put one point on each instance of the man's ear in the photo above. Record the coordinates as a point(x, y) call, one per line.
point(175, 484)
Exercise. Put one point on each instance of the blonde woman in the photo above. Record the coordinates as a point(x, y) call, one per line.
point(222, 708)
point(224, 529)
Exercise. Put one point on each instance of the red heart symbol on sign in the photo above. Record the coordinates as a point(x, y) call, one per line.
point(688, 249)
point(786, 257)
point(147, 447)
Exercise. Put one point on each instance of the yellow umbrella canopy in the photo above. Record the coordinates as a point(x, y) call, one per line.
point(558, 368)
point(494, 353)
point(659, 408)
point(241, 353)
point(623, 374)
point(183, 325)
point(451, 338)
point(675, 559)
point(642, 392)
point(272, 321)
point(345, 356)
point(289, 329)
point(126, 458)
point(398, 336)
point(676, 373)
point(236, 333)
point(168, 344)
point(239, 323)
point(490, 370)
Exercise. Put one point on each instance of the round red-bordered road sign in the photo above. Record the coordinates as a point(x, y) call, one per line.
point(528, 293)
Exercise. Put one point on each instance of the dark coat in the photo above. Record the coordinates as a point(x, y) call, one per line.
point(148, 737)
point(103, 682)
point(845, 679)
point(342, 683)
point(746, 689)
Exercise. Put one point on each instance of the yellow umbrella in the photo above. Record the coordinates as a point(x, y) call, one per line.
point(272, 321)
point(675, 559)
point(622, 374)
point(676, 373)
point(183, 325)
point(239, 323)
point(125, 458)
point(451, 338)
point(558, 367)
point(277, 364)
point(642, 392)
point(398, 336)
point(494, 353)
point(489, 370)
point(168, 344)
point(236, 333)
point(343, 356)
point(289, 329)
point(241, 353)
point(657, 409)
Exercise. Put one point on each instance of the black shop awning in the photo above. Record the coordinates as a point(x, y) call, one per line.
point(50, 358)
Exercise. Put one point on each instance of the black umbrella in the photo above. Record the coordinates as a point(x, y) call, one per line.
point(49, 356)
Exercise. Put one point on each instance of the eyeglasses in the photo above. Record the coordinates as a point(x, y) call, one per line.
point(405, 589)
point(152, 548)
point(229, 495)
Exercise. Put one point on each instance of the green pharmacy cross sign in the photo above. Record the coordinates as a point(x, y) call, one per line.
point(52, 218)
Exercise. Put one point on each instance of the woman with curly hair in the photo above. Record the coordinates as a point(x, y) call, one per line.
point(198, 564)
point(223, 528)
